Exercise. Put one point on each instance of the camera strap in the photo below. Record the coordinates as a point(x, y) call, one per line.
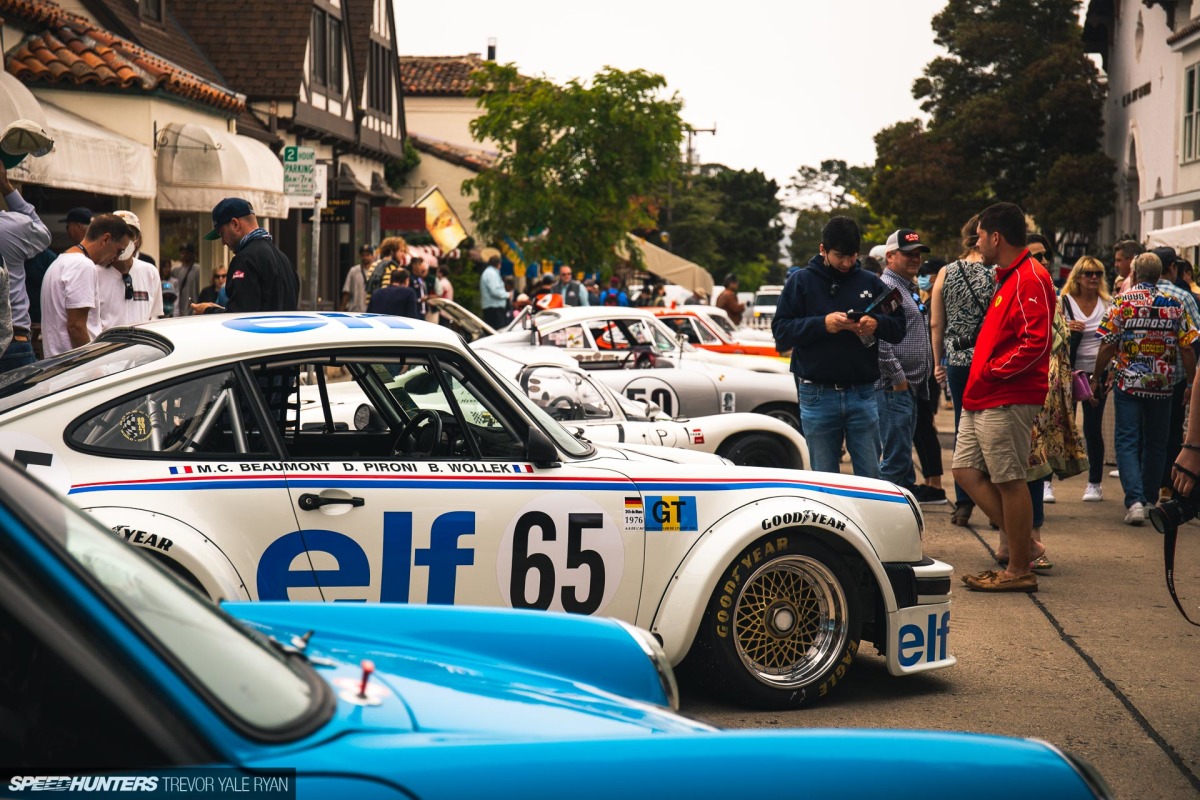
point(962, 273)
point(1169, 563)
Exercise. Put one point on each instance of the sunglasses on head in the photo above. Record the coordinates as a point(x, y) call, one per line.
point(128, 280)
point(917, 299)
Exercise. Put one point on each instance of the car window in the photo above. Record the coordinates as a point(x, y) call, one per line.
point(705, 335)
point(204, 415)
point(724, 323)
point(82, 365)
point(571, 336)
point(394, 405)
point(682, 325)
point(566, 395)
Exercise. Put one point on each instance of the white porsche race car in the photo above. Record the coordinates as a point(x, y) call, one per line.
point(184, 438)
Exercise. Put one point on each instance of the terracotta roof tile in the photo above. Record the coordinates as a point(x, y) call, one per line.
point(438, 76)
point(473, 158)
point(69, 49)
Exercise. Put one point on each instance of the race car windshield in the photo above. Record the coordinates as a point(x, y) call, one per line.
point(725, 324)
point(82, 365)
point(245, 678)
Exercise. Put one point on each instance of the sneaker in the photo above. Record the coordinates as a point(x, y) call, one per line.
point(1135, 514)
point(1094, 493)
point(1114, 473)
point(1047, 492)
point(929, 495)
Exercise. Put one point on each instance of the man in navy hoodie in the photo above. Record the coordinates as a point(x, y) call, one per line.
point(835, 353)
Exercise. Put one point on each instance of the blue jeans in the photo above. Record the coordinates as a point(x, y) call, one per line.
point(830, 415)
point(956, 379)
point(1141, 430)
point(897, 426)
point(18, 354)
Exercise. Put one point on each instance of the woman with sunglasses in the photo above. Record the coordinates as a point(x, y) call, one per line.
point(1085, 300)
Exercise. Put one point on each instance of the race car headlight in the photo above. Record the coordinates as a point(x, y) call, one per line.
point(658, 657)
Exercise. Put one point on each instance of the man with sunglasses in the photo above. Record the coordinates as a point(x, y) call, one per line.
point(904, 368)
point(128, 290)
point(835, 353)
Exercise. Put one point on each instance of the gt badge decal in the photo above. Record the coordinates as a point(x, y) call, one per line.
point(135, 426)
point(677, 513)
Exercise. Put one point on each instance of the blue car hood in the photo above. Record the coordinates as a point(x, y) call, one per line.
point(455, 671)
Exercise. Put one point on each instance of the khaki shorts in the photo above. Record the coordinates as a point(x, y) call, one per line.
point(996, 441)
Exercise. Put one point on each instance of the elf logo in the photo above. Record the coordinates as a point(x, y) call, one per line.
point(927, 644)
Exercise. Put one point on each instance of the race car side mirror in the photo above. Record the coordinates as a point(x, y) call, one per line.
point(540, 450)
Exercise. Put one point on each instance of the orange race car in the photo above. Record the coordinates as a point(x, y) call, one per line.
point(701, 332)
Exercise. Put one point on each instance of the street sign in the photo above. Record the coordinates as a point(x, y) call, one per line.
point(299, 176)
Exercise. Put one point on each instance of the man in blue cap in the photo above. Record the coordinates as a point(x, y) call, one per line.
point(261, 278)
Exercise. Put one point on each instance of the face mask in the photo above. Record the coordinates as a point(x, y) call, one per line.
point(924, 282)
point(127, 253)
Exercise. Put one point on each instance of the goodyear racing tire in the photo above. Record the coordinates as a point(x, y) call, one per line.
point(783, 625)
point(757, 450)
point(782, 412)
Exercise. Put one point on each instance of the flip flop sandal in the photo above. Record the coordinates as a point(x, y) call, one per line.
point(1041, 563)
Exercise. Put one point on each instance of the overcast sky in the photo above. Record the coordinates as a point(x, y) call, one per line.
point(785, 84)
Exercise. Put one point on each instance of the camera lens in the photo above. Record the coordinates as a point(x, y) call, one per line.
point(1170, 515)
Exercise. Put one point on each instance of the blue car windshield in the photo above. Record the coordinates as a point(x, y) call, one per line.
point(248, 679)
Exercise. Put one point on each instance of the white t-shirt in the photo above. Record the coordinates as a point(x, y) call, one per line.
point(69, 283)
point(113, 309)
point(1089, 345)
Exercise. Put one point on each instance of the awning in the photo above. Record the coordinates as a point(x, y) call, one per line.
point(1177, 236)
point(671, 267)
point(89, 158)
point(198, 166)
point(17, 102)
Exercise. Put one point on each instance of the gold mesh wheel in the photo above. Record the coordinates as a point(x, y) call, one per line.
point(790, 621)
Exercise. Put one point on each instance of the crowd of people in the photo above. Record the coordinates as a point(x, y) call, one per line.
point(876, 342)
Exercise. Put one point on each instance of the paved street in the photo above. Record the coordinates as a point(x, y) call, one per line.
point(1098, 662)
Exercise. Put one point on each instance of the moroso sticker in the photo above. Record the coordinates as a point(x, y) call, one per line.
point(671, 513)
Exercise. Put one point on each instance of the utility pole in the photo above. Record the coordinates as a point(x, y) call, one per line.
point(691, 133)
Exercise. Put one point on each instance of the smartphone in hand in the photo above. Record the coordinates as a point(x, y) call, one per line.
point(855, 316)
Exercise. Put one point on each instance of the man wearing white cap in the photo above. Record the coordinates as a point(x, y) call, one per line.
point(128, 290)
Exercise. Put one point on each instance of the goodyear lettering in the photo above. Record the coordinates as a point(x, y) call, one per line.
point(802, 517)
point(734, 580)
point(442, 558)
point(839, 673)
point(928, 644)
point(143, 538)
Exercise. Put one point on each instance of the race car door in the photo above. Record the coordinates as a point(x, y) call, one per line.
point(410, 482)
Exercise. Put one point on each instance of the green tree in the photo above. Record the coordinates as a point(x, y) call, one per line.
point(832, 189)
point(1015, 108)
point(751, 213)
point(576, 162)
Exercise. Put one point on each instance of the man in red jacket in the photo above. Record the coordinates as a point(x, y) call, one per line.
point(1006, 388)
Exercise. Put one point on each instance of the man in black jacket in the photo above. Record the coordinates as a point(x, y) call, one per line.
point(835, 355)
point(260, 277)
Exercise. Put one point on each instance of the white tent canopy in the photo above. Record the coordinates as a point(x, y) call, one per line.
point(199, 166)
point(88, 157)
point(1177, 236)
point(671, 267)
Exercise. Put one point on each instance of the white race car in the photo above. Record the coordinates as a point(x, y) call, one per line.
point(184, 438)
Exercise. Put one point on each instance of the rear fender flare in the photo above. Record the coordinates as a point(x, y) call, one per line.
point(178, 542)
point(677, 618)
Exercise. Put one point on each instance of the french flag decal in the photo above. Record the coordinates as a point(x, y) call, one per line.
point(181, 470)
point(522, 467)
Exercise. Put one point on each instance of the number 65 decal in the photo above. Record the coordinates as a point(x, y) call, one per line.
point(561, 553)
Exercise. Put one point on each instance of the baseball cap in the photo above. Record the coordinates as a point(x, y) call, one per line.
point(130, 219)
point(366, 248)
point(224, 211)
point(906, 240)
point(878, 252)
point(79, 214)
point(23, 138)
point(1166, 255)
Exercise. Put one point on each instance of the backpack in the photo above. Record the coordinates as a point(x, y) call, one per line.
point(610, 297)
